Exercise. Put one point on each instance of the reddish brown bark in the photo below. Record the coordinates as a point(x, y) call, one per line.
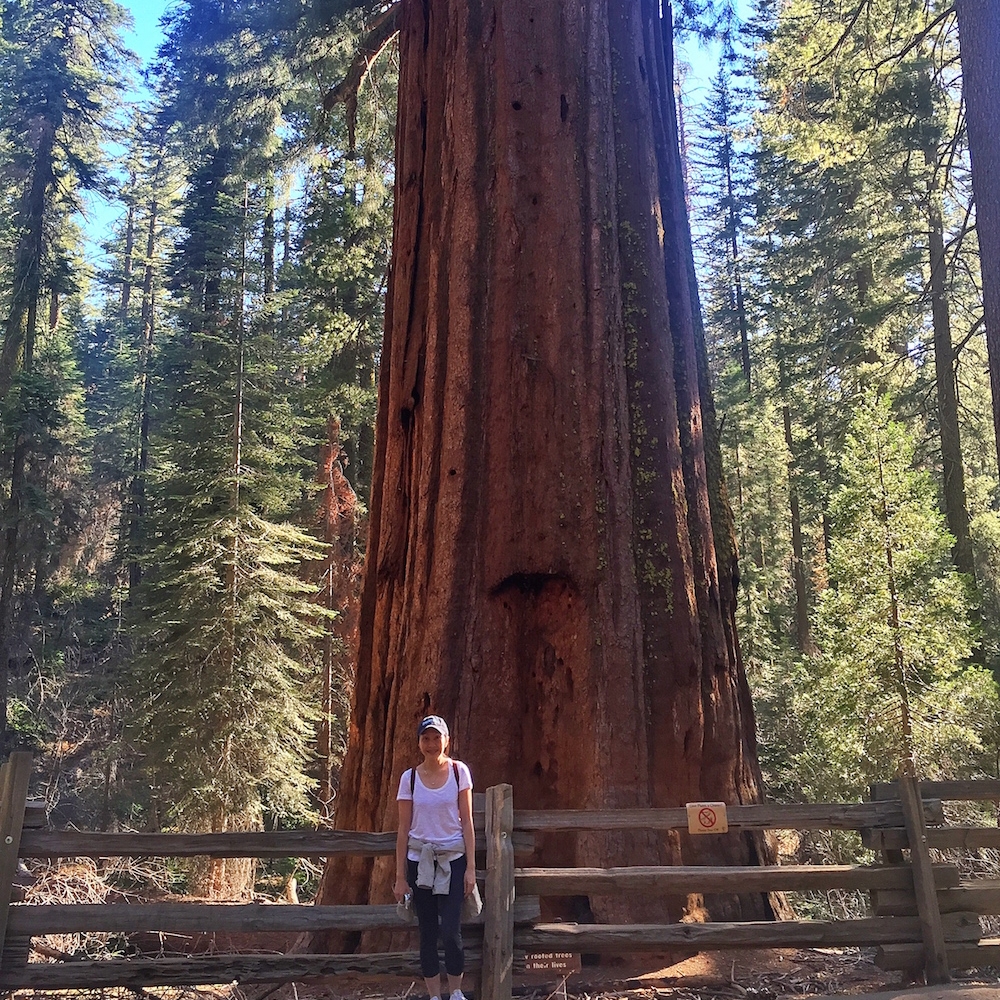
point(339, 592)
point(540, 470)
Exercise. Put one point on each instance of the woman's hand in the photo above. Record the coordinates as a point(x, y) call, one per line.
point(400, 889)
point(470, 880)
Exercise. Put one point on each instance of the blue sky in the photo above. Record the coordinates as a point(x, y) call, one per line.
point(143, 40)
point(146, 36)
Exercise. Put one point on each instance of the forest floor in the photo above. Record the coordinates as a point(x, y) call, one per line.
point(818, 974)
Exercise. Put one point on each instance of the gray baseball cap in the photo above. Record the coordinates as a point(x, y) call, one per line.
point(432, 722)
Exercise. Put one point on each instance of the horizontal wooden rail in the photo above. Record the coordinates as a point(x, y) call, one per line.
point(280, 844)
point(681, 880)
point(770, 816)
point(973, 790)
point(952, 838)
point(615, 939)
point(981, 896)
point(205, 918)
point(213, 970)
point(910, 958)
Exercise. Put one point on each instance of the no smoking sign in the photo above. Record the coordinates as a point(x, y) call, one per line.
point(707, 817)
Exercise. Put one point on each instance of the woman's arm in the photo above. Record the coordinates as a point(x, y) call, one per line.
point(405, 806)
point(469, 834)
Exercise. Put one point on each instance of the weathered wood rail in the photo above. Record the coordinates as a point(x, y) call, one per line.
point(923, 914)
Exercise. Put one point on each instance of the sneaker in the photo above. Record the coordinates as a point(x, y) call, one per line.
point(458, 995)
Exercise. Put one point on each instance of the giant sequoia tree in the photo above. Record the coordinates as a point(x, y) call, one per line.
point(542, 562)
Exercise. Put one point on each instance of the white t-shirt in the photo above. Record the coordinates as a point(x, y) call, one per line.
point(436, 819)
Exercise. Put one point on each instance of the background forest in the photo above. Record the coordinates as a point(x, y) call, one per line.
point(187, 433)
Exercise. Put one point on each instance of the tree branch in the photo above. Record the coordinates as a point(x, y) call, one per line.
point(975, 329)
point(380, 32)
point(914, 42)
point(852, 21)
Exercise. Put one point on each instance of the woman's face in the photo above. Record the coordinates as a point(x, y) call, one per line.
point(432, 743)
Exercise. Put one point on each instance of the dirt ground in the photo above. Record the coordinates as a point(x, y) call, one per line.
point(738, 975)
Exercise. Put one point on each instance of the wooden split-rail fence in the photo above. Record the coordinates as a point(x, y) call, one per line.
point(925, 916)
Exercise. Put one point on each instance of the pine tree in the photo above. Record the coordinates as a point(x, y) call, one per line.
point(62, 62)
point(859, 148)
point(224, 619)
point(892, 681)
point(339, 281)
point(869, 122)
point(337, 241)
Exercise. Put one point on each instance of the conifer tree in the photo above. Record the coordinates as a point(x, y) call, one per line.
point(530, 282)
point(852, 166)
point(62, 63)
point(225, 619)
point(723, 195)
point(120, 358)
point(895, 633)
point(863, 110)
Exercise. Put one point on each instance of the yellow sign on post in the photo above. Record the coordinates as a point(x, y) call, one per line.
point(707, 817)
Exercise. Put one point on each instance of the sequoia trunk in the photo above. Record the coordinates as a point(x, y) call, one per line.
point(541, 565)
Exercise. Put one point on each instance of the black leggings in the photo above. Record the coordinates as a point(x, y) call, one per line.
point(442, 913)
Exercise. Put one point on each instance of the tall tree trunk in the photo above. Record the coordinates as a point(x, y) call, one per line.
point(541, 565)
point(16, 355)
point(128, 254)
point(906, 761)
point(8, 572)
point(286, 251)
point(137, 506)
point(803, 636)
point(734, 263)
point(26, 281)
point(339, 593)
point(979, 35)
point(824, 475)
point(952, 468)
point(268, 242)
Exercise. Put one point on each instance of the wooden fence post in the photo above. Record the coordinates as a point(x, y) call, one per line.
point(498, 907)
point(14, 776)
point(935, 950)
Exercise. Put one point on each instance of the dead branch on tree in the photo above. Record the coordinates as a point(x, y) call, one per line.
point(380, 33)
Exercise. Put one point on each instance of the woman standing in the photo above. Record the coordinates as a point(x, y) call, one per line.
point(436, 853)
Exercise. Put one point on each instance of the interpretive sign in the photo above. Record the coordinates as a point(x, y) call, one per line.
point(563, 962)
